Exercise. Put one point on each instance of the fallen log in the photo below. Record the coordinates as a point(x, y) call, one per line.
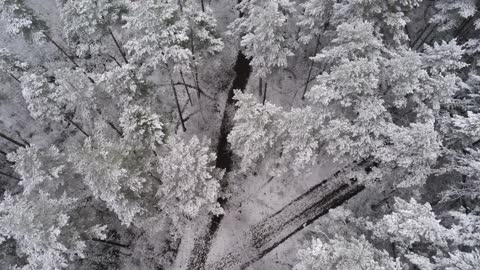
point(265, 236)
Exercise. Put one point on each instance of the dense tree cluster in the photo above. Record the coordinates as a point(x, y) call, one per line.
point(126, 94)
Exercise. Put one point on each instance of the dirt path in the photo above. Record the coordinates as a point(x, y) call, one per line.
point(266, 235)
point(203, 241)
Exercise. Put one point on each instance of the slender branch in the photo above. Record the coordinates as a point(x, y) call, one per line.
point(61, 49)
point(462, 26)
point(12, 140)
point(10, 176)
point(14, 77)
point(119, 132)
point(264, 94)
point(110, 243)
point(77, 126)
point(426, 37)
point(67, 55)
point(190, 86)
point(476, 142)
point(186, 88)
point(412, 45)
point(178, 105)
point(118, 45)
point(310, 68)
point(114, 59)
point(260, 84)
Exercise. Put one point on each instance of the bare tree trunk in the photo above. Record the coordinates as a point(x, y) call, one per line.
point(260, 87)
point(119, 132)
point(178, 106)
point(186, 88)
point(77, 126)
point(66, 54)
point(264, 94)
point(310, 68)
point(10, 176)
point(12, 140)
point(15, 78)
point(412, 45)
point(118, 45)
point(110, 243)
point(432, 28)
point(61, 49)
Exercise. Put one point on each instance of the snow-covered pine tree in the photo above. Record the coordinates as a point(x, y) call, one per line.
point(166, 34)
point(342, 254)
point(130, 159)
point(87, 23)
point(20, 19)
point(265, 33)
point(414, 234)
point(376, 100)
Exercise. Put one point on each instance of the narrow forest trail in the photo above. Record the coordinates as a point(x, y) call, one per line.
point(261, 238)
point(203, 238)
point(258, 240)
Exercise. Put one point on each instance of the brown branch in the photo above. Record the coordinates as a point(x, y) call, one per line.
point(118, 45)
point(178, 106)
point(77, 126)
point(475, 143)
point(190, 86)
point(310, 68)
point(412, 45)
point(264, 94)
point(14, 77)
point(66, 54)
point(186, 88)
point(61, 49)
point(260, 86)
point(426, 37)
point(10, 176)
point(114, 59)
point(110, 243)
point(120, 133)
point(12, 140)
